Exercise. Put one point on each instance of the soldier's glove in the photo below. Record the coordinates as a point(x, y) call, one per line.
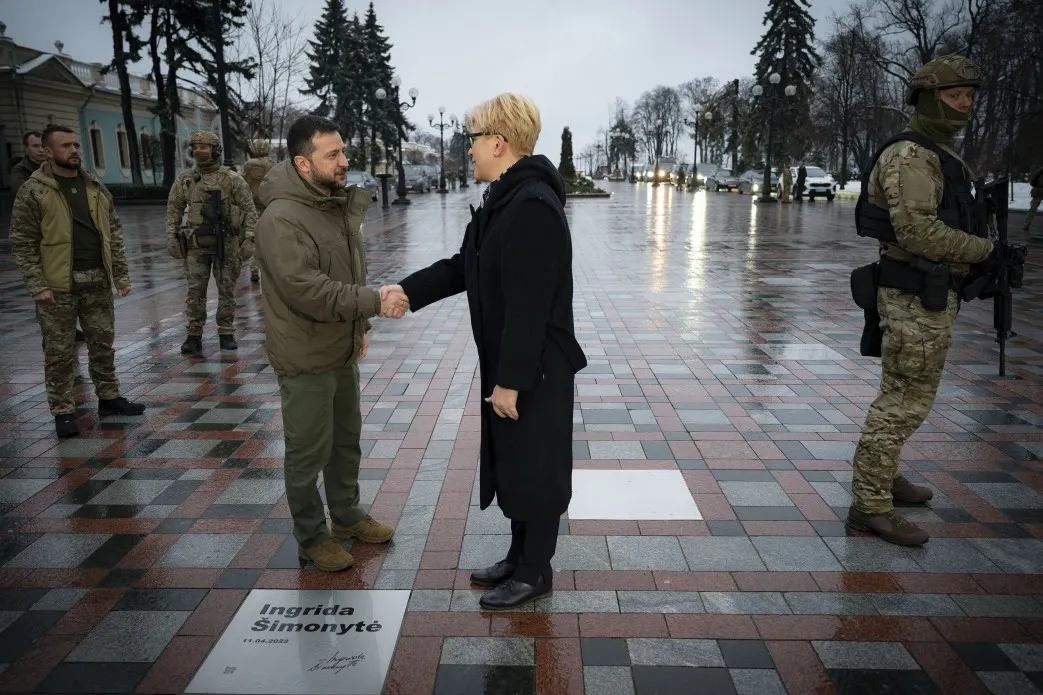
point(246, 250)
point(174, 249)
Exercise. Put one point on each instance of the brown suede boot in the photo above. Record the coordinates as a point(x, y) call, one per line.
point(892, 527)
point(328, 556)
point(904, 491)
point(369, 530)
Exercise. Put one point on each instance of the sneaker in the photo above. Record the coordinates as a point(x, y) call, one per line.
point(369, 530)
point(193, 345)
point(119, 406)
point(328, 556)
point(904, 491)
point(892, 527)
point(228, 342)
point(65, 425)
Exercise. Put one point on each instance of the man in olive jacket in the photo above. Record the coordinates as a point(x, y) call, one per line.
point(317, 309)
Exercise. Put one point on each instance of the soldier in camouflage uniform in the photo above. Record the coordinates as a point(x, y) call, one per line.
point(191, 237)
point(918, 196)
point(68, 243)
point(1036, 181)
point(254, 172)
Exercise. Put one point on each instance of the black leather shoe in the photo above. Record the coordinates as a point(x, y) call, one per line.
point(65, 425)
point(228, 342)
point(119, 406)
point(193, 344)
point(512, 594)
point(495, 575)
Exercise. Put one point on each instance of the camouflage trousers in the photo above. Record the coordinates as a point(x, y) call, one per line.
point(199, 266)
point(92, 303)
point(915, 344)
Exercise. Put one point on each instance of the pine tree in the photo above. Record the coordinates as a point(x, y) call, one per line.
point(378, 75)
point(348, 92)
point(327, 56)
point(788, 48)
point(122, 33)
point(566, 168)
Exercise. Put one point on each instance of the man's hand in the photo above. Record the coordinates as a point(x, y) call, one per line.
point(393, 302)
point(124, 291)
point(246, 250)
point(504, 402)
point(45, 297)
point(365, 347)
point(174, 249)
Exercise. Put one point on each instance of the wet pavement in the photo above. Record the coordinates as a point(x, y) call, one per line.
point(724, 393)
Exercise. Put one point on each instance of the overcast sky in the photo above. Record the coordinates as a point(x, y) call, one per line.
point(573, 57)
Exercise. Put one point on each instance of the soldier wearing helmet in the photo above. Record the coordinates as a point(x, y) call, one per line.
point(917, 202)
point(191, 236)
point(254, 171)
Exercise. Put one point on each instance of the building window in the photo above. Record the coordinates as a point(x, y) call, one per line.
point(97, 141)
point(123, 147)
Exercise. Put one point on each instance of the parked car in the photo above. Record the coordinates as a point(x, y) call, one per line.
point(722, 178)
point(818, 183)
point(752, 180)
point(363, 179)
point(417, 179)
point(703, 171)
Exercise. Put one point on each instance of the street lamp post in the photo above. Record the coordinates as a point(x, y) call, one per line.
point(442, 125)
point(758, 90)
point(400, 184)
point(381, 94)
point(658, 148)
point(461, 128)
point(694, 125)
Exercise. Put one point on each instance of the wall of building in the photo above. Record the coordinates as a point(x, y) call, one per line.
point(102, 121)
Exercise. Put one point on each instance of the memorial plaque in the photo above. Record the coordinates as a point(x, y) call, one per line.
point(289, 642)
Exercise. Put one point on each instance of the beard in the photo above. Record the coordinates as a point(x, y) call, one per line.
point(329, 182)
point(73, 161)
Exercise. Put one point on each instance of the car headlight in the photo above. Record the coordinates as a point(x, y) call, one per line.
point(756, 187)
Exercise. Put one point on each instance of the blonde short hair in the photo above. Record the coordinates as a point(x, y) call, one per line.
point(513, 116)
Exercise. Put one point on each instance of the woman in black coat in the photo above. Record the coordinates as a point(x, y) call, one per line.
point(515, 263)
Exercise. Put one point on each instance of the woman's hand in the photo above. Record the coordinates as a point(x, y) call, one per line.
point(504, 402)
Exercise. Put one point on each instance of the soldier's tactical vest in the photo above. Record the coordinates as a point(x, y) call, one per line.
point(200, 220)
point(254, 172)
point(957, 209)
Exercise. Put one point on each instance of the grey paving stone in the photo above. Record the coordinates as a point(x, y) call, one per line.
point(745, 602)
point(1015, 555)
point(16, 491)
point(404, 552)
point(1007, 683)
point(425, 493)
point(573, 553)
point(81, 448)
point(415, 521)
point(993, 606)
point(7, 618)
point(134, 636)
point(952, 555)
point(721, 554)
point(191, 449)
point(608, 680)
point(831, 451)
point(493, 651)
point(646, 553)
point(660, 602)
point(204, 550)
point(491, 521)
point(829, 603)
point(615, 450)
point(251, 492)
point(395, 579)
point(1027, 656)
point(674, 652)
point(864, 655)
point(465, 600)
point(751, 494)
point(59, 599)
point(915, 604)
point(136, 492)
point(55, 550)
point(784, 554)
point(757, 681)
point(430, 600)
point(578, 602)
point(481, 551)
point(834, 494)
point(1008, 495)
point(872, 555)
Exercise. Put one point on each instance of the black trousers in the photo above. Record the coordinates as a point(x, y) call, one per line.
point(532, 546)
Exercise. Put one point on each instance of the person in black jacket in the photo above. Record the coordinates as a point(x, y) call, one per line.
point(515, 264)
point(802, 177)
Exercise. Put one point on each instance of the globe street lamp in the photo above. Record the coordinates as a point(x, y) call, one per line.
point(400, 185)
point(694, 125)
point(381, 94)
point(757, 91)
point(461, 129)
point(442, 125)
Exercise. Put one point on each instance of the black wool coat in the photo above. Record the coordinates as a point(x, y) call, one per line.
point(515, 263)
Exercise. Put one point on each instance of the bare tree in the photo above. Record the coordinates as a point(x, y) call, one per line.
point(659, 121)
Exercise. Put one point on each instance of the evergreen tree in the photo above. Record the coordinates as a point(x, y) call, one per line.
point(327, 57)
point(122, 33)
point(349, 90)
point(378, 74)
point(566, 168)
point(788, 48)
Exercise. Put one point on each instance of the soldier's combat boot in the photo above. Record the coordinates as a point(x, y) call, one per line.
point(369, 530)
point(228, 342)
point(193, 344)
point(119, 406)
point(254, 276)
point(892, 527)
point(79, 336)
point(65, 425)
point(328, 556)
point(904, 491)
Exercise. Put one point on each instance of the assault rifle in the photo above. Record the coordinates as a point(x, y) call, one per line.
point(220, 233)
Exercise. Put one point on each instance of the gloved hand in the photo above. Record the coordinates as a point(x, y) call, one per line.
point(174, 249)
point(246, 250)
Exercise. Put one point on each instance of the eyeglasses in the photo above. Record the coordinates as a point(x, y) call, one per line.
point(474, 136)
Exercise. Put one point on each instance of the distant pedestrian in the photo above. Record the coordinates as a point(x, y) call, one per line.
point(1036, 181)
point(802, 177)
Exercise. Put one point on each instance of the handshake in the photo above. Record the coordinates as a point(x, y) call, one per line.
point(393, 302)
